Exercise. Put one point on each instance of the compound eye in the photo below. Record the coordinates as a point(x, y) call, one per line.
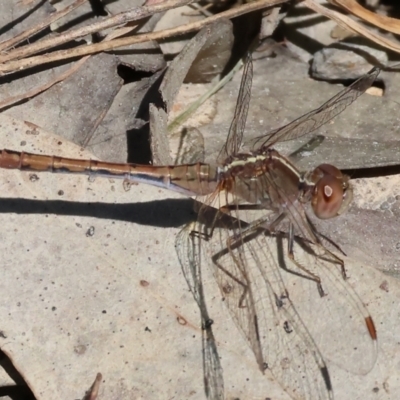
point(328, 196)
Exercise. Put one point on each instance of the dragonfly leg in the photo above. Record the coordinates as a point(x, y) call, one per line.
point(226, 210)
point(329, 256)
point(227, 288)
point(313, 276)
point(272, 227)
point(201, 235)
point(208, 229)
point(233, 207)
point(334, 259)
point(234, 242)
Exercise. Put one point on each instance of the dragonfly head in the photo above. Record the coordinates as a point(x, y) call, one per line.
point(332, 192)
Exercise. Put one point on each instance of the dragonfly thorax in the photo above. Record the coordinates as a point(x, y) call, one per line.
point(245, 165)
point(262, 176)
point(267, 174)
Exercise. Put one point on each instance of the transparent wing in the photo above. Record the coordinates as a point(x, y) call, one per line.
point(189, 254)
point(236, 130)
point(247, 263)
point(314, 119)
point(339, 322)
point(249, 279)
point(248, 276)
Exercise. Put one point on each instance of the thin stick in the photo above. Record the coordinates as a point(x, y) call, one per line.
point(110, 22)
point(144, 37)
point(6, 44)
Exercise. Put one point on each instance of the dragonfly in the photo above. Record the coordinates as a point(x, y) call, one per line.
point(258, 193)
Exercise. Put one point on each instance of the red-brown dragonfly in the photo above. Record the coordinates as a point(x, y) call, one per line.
point(264, 194)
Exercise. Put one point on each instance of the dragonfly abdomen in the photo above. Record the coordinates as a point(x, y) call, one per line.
point(189, 179)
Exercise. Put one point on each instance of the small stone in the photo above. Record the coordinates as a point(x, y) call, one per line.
point(346, 62)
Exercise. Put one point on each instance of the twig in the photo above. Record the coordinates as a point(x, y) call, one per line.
point(381, 21)
point(110, 22)
point(39, 27)
point(347, 23)
point(144, 37)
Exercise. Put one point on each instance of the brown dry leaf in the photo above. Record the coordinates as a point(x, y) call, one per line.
point(184, 62)
point(123, 121)
point(79, 102)
point(173, 18)
point(212, 56)
point(37, 84)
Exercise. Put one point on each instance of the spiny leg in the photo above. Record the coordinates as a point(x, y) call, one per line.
point(313, 276)
point(333, 257)
point(233, 242)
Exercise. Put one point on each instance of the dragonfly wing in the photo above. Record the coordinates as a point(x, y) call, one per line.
point(316, 118)
point(348, 336)
point(235, 136)
point(344, 327)
point(249, 279)
point(188, 247)
point(339, 322)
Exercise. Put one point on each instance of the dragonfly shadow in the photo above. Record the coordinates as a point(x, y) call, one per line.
point(168, 213)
